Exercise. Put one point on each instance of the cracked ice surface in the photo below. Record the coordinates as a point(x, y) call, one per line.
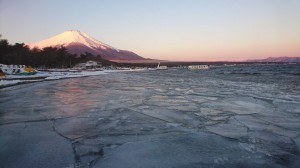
point(221, 117)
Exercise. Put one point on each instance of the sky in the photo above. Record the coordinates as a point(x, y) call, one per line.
point(176, 30)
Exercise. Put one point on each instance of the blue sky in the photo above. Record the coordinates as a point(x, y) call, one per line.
point(197, 30)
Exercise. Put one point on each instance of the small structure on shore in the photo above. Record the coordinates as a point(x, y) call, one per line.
point(198, 67)
point(89, 65)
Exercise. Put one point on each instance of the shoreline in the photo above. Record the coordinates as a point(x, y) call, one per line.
point(35, 81)
point(14, 80)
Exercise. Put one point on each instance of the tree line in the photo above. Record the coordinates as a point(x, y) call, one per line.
point(48, 57)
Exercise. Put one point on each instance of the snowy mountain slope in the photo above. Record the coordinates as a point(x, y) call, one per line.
point(78, 43)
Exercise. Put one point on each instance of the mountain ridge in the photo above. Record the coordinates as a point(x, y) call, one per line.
point(277, 59)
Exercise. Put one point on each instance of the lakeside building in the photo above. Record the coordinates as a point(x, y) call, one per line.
point(88, 65)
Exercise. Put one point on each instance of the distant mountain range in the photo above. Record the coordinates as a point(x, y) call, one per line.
point(78, 42)
point(277, 59)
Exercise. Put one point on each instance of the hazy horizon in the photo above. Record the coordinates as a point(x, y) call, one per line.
point(216, 30)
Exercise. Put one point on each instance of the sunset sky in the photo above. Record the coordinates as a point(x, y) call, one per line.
point(178, 30)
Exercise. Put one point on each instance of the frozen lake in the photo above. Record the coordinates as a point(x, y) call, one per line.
point(241, 116)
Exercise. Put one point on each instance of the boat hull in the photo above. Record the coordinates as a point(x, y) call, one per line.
point(17, 70)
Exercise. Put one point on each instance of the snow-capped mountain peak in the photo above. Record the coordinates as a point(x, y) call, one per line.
point(69, 37)
point(78, 43)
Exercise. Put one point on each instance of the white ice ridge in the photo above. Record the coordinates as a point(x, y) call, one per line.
point(68, 37)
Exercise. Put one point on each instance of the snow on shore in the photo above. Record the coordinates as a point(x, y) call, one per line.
point(61, 75)
point(9, 82)
point(41, 76)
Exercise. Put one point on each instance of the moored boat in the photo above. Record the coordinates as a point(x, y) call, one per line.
point(158, 68)
point(17, 69)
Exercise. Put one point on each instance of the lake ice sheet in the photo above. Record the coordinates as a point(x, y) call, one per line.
point(244, 116)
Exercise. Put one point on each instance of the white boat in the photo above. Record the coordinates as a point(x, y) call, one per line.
point(198, 67)
point(159, 67)
point(17, 69)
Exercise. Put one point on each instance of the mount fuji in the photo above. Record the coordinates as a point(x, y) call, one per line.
point(78, 42)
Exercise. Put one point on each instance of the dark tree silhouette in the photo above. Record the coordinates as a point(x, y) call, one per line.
point(48, 57)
